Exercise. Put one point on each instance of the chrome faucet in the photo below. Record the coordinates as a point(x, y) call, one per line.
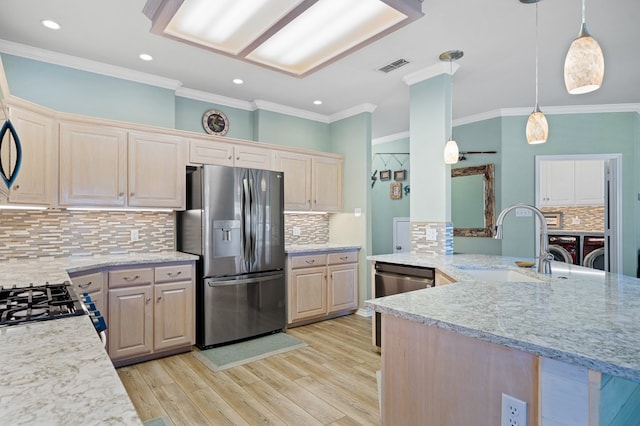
point(544, 264)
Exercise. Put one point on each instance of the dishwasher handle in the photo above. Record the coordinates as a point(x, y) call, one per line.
point(429, 282)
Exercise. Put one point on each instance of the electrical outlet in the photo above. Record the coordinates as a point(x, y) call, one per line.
point(296, 231)
point(431, 234)
point(134, 235)
point(514, 411)
point(523, 212)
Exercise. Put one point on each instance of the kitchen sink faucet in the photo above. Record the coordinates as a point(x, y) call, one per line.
point(544, 264)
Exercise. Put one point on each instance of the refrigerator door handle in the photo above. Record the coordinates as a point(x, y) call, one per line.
point(246, 214)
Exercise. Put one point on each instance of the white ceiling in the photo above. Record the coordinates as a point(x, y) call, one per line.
point(496, 72)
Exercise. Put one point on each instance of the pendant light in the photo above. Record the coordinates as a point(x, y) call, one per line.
point(537, 129)
point(451, 152)
point(584, 64)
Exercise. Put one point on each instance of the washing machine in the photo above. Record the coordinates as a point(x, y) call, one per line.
point(593, 252)
point(565, 248)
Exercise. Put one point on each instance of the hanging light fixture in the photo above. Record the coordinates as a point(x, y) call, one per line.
point(537, 129)
point(584, 64)
point(451, 152)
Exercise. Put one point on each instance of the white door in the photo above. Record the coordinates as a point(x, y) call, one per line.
point(401, 227)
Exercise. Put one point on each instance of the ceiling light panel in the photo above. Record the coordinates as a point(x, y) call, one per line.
point(296, 37)
point(227, 25)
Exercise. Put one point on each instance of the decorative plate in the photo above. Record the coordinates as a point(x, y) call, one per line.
point(215, 122)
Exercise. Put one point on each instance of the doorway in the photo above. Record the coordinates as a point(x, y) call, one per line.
point(596, 177)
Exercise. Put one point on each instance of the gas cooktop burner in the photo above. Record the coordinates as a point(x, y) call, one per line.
point(38, 303)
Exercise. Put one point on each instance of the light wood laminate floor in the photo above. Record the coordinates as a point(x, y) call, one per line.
point(332, 381)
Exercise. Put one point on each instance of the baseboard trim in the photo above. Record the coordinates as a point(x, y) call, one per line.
point(364, 312)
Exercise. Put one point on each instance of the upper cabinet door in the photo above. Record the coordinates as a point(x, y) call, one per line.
point(557, 183)
point(93, 165)
point(36, 178)
point(297, 179)
point(327, 184)
point(589, 182)
point(252, 157)
point(156, 170)
point(210, 152)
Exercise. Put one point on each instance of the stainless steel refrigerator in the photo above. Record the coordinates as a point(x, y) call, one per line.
point(234, 221)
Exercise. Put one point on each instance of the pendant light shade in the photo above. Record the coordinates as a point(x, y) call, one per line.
point(451, 152)
point(584, 64)
point(537, 128)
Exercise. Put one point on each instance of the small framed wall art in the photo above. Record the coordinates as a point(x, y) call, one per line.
point(395, 190)
point(554, 220)
point(400, 175)
point(385, 174)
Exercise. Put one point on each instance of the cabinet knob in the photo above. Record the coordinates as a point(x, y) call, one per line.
point(16, 187)
point(237, 158)
point(85, 285)
point(398, 247)
point(148, 300)
point(231, 156)
point(132, 194)
point(159, 298)
point(121, 194)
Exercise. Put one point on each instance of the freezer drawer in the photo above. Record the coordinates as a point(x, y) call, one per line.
point(236, 308)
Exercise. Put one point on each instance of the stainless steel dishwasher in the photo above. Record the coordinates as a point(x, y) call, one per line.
point(391, 278)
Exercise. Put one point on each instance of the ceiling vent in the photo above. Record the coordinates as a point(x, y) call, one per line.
point(393, 65)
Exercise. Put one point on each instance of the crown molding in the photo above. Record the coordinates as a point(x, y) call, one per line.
point(430, 72)
point(350, 112)
point(390, 138)
point(287, 110)
point(199, 95)
point(96, 67)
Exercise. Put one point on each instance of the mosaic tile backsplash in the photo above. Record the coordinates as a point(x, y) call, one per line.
point(31, 234)
point(314, 228)
point(579, 218)
point(444, 238)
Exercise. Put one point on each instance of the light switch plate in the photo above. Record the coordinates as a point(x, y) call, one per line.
point(432, 234)
point(296, 231)
point(523, 213)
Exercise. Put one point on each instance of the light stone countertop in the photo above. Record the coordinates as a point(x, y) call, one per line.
point(310, 248)
point(57, 372)
point(577, 315)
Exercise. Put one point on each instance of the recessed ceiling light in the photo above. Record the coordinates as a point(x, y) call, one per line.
point(50, 24)
point(238, 81)
point(146, 57)
point(318, 102)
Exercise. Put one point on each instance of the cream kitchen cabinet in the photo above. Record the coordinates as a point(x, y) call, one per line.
point(151, 312)
point(571, 182)
point(35, 181)
point(311, 183)
point(321, 285)
point(107, 166)
point(93, 283)
point(229, 154)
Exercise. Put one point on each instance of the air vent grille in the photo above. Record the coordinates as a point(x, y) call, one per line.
point(393, 65)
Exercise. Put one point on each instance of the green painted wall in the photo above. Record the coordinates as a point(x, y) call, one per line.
point(601, 133)
point(351, 137)
point(384, 209)
point(189, 117)
point(281, 129)
point(483, 135)
point(79, 92)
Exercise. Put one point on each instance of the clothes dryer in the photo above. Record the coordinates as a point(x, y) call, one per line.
point(565, 248)
point(593, 253)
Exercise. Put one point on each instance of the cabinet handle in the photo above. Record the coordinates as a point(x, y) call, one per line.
point(230, 157)
point(17, 187)
point(131, 279)
point(159, 298)
point(344, 257)
point(238, 157)
point(121, 194)
point(84, 285)
point(174, 274)
point(132, 194)
point(310, 262)
point(148, 300)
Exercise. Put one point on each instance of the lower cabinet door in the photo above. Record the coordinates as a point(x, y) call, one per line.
point(343, 287)
point(130, 328)
point(173, 316)
point(308, 293)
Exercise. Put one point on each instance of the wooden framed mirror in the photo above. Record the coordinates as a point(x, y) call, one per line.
point(473, 201)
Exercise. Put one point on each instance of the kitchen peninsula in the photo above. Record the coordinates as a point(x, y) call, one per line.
point(57, 371)
point(450, 352)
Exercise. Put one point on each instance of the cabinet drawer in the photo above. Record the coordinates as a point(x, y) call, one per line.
point(165, 274)
point(308, 261)
point(130, 277)
point(342, 257)
point(88, 283)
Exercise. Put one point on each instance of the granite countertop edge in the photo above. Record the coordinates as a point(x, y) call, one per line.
point(327, 247)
